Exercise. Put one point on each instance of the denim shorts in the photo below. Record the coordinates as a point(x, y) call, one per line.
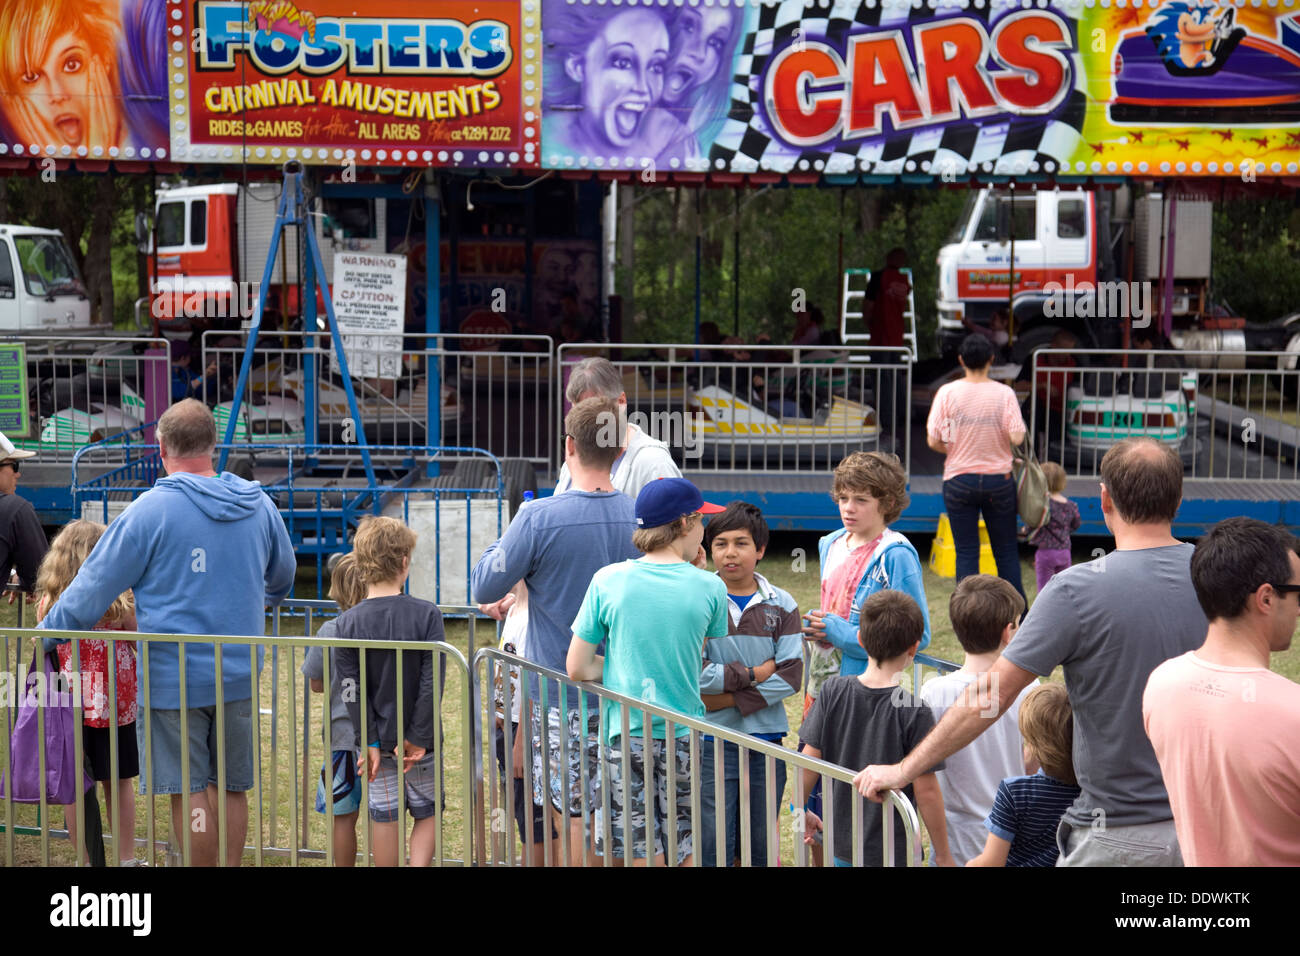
point(421, 798)
point(166, 744)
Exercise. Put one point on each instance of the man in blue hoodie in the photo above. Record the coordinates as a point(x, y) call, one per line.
point(204, 553)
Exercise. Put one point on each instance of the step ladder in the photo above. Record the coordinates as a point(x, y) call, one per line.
point(848, 294)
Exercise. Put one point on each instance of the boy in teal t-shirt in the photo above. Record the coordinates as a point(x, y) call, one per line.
point(655, 614)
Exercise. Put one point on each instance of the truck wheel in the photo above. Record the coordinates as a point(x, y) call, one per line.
point(1031, 341)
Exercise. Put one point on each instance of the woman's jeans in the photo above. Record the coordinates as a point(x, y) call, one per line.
point(965, 497)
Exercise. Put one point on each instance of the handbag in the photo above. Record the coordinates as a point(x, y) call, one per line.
point(61, 718)
point(1033, 500)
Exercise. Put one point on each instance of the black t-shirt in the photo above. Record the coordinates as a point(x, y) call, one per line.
point(855, 726)
point(22, 540)
point(396, 618)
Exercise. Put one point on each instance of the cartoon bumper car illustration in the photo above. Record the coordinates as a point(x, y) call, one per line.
point(1192, 65)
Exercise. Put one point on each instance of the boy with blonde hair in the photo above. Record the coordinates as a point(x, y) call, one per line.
point(1027, 810)
point(382, 550)
point(655, 613)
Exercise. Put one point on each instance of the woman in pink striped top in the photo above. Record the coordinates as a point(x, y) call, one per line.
point(975, 421)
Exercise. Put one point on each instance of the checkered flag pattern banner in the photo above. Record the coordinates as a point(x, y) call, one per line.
point(999, 144)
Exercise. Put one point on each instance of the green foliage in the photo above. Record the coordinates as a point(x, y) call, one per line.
point(78, 205)
point(1256, 247)
point(789, 240)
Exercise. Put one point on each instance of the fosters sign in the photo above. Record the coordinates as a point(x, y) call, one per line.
point(939, 87)
point(394, 81)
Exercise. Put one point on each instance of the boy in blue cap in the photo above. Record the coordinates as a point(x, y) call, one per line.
point(655, 613)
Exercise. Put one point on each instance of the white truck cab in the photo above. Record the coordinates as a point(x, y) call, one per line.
point(41, 289)
point(1054, 234)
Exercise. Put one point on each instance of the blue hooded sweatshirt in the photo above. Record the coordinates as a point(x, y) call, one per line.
point(204, 556)
point(895, 565)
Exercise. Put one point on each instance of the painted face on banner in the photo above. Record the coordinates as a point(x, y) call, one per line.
point(622, 75)
point(699, 42)
point(59, 91)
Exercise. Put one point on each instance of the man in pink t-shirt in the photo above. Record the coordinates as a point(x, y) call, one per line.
point(1224, 727)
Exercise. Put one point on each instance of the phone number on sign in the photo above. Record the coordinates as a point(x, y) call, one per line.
point(482, 134)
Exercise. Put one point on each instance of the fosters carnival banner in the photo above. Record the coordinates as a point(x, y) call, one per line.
point(1161, 86)
point(83, 79)
point(382, 82)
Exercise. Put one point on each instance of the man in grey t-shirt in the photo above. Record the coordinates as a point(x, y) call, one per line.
point(1109, 623)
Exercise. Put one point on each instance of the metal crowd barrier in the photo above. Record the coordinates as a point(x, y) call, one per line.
point(741, 407)
point(409, 388)
point(264, 845)
point(80, 390)
point(489, 664)
point(290, 763)
point(1229, 415)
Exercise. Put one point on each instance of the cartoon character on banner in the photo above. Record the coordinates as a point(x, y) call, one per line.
point(695, 98)
point(1185, 34)
point(604, 71)
point(79, 73)
point(646, 84)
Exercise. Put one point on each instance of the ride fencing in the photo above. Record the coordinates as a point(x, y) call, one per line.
point(81, 390)
point(290, 724)
point(595, 792)
point(457, 514)
point(760, 407)
point(1239, 422)
point(409, 388)
point(278, 815)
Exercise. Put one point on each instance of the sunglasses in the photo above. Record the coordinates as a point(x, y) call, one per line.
point(1285, 589)
point(12, 464)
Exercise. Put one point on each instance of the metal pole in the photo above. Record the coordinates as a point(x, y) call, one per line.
point(699, 247)
point(1011, 265)
point(735, 268)
point(432, 304)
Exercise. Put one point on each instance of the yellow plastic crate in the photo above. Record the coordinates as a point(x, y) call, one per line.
point(943, 553)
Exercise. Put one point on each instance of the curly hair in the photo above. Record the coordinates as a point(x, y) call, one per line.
point(68, 552)
point(877, 474)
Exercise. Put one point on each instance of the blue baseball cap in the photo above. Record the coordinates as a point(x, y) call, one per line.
point(665, 500)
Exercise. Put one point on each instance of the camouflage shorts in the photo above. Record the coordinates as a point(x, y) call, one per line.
point(582, 748)
point(679, 751)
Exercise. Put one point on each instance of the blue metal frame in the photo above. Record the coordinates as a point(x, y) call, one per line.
point(327, 525)
point(292, 211)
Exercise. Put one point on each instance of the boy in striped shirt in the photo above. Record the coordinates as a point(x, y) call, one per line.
point(1026, 810)
point(747, 676)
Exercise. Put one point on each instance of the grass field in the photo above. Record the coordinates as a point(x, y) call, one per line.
point(791, 563)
